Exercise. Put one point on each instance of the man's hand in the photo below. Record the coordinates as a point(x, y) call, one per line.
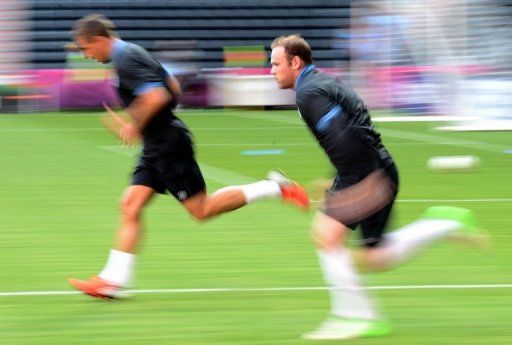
point(146, 105)
point(129, 134)
point(121, 128)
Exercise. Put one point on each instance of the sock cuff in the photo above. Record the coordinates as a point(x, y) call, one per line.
point(119, 256)
point(260, 190)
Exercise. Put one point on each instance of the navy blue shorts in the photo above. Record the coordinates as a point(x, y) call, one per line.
point(373, 226)
point(181, 177)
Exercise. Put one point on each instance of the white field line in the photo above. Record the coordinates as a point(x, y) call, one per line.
point(456, 200)
point(210, 172)
point(268, 128)
point(379, 118)
point(477, 145)
point(398, 118)
point(266, 145)
point(424, 138)
point(224, 176)
point(300, 144)
point(423, 118)
point(274, 118)
point(122, 150)
point(267, 289)
point(94, 129)
point(439, 201)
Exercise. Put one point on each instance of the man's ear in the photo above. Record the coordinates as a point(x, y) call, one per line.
point(296, 62)
point(100, 39)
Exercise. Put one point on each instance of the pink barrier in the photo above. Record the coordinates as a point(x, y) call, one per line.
point(63, 90)
point(383, 87)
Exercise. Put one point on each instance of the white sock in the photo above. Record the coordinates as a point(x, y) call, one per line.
point(401, 244)
point(260, 190)
point(348, 299)
point(119, 268)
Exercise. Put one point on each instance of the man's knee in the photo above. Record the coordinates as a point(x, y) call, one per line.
point(197, 207)
point(327, 232)
point(324, 239)
point(130, 208)
point(199, 215)
point(375, 259)
point(198, 211)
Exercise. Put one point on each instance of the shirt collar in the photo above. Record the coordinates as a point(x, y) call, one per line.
point(302, 73)
point(117, 48)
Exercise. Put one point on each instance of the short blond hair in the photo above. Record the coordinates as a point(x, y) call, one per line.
point(94, 25)
point(294, 45)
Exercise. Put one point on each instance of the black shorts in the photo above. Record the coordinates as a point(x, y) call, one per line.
point(373, 226)
point(181, 177)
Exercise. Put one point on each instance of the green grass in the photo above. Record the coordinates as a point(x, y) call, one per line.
point(61, 180)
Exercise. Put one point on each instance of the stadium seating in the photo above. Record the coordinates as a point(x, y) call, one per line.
point(212, 25)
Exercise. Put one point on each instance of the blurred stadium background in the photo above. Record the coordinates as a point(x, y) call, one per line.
point(250, 277)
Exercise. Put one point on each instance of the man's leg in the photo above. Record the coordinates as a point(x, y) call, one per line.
point(436, 223)
point(118, 270)
point(353, 312)
point(133, 202)
point(226, 199)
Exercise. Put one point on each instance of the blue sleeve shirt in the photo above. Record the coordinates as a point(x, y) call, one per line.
point(340, 121)
point(138, 72)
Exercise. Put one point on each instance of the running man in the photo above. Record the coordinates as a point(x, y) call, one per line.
point(362, 194)
point(167, 164)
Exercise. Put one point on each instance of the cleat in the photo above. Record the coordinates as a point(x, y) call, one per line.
point(291, 191)
point(470, 231)
point(344, 329)
point(98, 287)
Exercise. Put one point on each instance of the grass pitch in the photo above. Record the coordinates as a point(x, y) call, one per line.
point(63, 174)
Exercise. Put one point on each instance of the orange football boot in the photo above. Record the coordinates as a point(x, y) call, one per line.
point(291, 191)
point(97, 287)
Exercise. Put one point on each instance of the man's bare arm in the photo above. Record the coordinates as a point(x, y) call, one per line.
point(147, 104)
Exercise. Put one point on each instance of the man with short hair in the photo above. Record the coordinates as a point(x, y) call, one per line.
point(167, 164)
point(362, 194)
